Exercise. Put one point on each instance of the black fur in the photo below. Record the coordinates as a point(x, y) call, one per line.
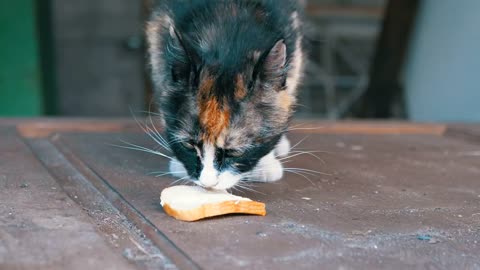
point(222, 39)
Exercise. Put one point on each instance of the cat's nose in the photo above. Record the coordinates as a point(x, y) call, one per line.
point(208, 178)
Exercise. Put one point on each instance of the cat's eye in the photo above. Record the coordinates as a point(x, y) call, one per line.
point(234, 153)
point(187, 145)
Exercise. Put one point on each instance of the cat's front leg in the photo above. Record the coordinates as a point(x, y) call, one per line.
point(268, 169)
point(283, 147)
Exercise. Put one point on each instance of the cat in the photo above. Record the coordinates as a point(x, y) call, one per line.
point(225, 75)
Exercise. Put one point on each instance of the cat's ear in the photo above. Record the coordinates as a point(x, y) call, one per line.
point(276, 58)
point(175, 48)
point(182, 57)
point(273, 68)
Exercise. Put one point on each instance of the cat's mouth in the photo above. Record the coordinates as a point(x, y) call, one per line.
point(268, 169)
point(218, 187)
point(220, 180)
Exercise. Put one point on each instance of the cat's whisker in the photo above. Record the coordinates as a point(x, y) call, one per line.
point(309, 171)
point(310, 153)
point(251, 173)
point(164, 116)
point(157, 148)
point(299, 142)
point(143, 150)
point(153, 130)
point(139, 147)
point(150, 112)
point(168, 173)
point(132, 146)
point(285, 161)
point(179, 180)
point(302, 127)
point(298, 153)
point(291, 156)
point(302, 105)
point(293, 153)
point(298, 125)
point(305, 128)
point(176, 119)
point(249, 184)
point(155, 135)
point(159, 140)
point(308, 179)
point(252, 179)
point(237, 189)
point(158, 135)
point(249, 189)
point(300, 174)
point(304, 173)
point(155, 172)
point(176, 140)
point(149, 131)
point(294, 147)
point(313, 151)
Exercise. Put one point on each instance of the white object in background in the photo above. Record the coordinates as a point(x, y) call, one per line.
point(442, 69)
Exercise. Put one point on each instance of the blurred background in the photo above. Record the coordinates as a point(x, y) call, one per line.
point(389, 59)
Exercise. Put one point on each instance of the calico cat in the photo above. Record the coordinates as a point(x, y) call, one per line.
point(225, 74)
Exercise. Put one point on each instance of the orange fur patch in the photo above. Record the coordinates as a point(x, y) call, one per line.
point(214, 115)
point(240, 91)
point(213, 119)
point(284, 100)
point(206, 87)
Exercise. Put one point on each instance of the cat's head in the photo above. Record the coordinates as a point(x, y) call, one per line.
point(225, 108)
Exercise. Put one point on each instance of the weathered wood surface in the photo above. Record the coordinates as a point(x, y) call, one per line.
point(68, 200)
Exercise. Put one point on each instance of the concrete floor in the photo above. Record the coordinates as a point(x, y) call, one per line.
point(389, 196)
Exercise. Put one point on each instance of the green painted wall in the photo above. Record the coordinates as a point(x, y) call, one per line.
point(20, 76)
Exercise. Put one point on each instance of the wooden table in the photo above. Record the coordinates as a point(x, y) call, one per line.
point(391, 195)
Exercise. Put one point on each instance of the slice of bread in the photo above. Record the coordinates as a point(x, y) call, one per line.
point(191, 203)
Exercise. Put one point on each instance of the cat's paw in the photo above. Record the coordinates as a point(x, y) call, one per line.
point(283, 147)
point(269, 169)
point(177, 169)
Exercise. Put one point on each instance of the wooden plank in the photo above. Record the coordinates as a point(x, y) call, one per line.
point(44, 128)
point(468, 133)
point(40, 226)
point(368, 128)
point(380, 187)
point(375, 196)
point(72, 162)
point(110, 221)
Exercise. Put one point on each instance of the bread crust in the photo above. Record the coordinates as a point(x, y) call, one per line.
point(217, 209)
